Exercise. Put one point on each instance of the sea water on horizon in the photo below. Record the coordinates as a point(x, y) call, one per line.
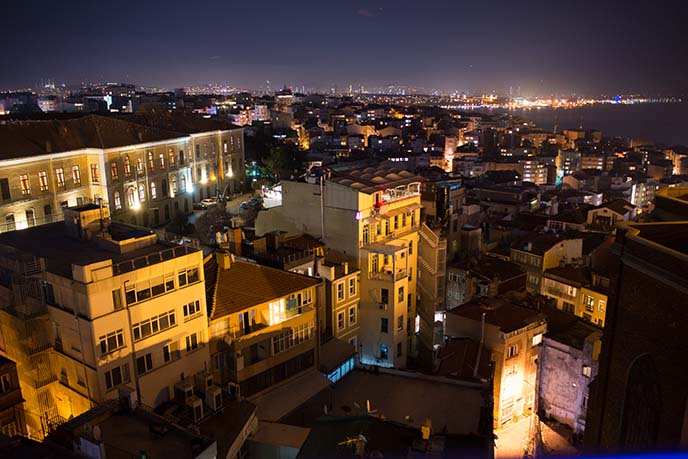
point(661, 122)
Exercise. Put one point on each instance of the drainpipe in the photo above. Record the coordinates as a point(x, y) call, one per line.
point(480, 349)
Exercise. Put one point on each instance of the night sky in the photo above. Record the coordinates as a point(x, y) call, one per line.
point(587, 47)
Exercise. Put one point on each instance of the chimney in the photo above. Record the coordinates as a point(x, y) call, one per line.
point(224, 259)
point(140, 136)
point(346, 267)
point(529, 247)
point(48, 146)
point(237, 239)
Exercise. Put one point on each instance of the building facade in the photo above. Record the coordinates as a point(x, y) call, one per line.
point(263, 327)
point(97, 306)
point(373, 216)
point(145, 170)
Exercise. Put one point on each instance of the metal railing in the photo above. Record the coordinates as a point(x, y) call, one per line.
point(20, 225)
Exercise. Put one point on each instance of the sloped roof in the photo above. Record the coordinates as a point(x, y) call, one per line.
point(245, 285)
point(30, 138)
point(500, 312)
point(620, 206)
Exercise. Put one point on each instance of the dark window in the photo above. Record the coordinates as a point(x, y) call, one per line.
point(399, 351)
point(384, 325)
point(5, 188)
point(384, 296)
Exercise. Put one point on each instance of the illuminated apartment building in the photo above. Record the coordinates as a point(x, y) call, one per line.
point(538, 252)
point(373, 216)
point(89, 306)
point(577, 291)
point(512, 333)
point(263, 326)
point(145, 168)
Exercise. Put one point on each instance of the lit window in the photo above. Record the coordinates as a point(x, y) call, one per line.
point(161, 158)
point(278, 312)
point(173, 183)
point(139, 165)
point(183, 183)
point(537, 339)
point(512, 351)
point(24, 182)
point(400, 295)
point(76, 175)
point(95, 174)
point(151, 164)
point(153, 191)
point(114, 173)
point(118, 200)
point(587, 371)
point(171, 156)
point(60, 177)
point(400, 323)
point(142, 193)
point(127, 167)
point(43, 180)
point(131, 197)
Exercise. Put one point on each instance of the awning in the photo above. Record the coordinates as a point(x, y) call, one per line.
point(400, 210)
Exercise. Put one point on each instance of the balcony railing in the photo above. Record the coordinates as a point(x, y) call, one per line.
point(237, 331)
point(395, 275)
point(560, 293)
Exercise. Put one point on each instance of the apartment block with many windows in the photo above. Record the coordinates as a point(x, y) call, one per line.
point(373, 216)
point(90, 305)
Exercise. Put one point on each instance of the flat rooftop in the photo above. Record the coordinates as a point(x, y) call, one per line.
point(408, 400)
point(60, 251)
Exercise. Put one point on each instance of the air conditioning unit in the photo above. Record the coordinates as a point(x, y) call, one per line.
point(383, 306)
point(213, 398)
point(204, 380)
point(196, 405)
point(183, 391)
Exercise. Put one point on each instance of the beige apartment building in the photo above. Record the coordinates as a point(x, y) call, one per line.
point(512, 333)
point(372, 216)
point(263, 326)
point(145, 168)
point(89, 307)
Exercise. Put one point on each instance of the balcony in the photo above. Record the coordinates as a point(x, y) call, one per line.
point(559, 293)
point(389, 274)
point(237, 332)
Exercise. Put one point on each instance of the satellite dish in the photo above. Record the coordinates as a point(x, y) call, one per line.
point(97, 434)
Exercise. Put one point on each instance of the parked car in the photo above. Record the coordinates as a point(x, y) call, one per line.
point(208, 202)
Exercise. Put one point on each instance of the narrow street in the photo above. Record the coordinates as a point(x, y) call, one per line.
point(512, 441)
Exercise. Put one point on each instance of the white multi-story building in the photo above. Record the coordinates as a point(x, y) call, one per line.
point(88, 306)
point(373, 216)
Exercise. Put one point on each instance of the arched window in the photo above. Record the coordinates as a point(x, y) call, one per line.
point(163, 187)
point(127, 167)
point(131, 197)
point(118, 201)
point(151, 164)
point(183, 183)
point(154, 191)
point(114, 173)
point(9, 223)
point(173, 181)
point(30, 218)
point(142, 193)
point(642, 407)
point(139, 165)
point(162, 160)
point(171, 155)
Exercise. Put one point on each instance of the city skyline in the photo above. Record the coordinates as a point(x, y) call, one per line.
point(444, 46)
